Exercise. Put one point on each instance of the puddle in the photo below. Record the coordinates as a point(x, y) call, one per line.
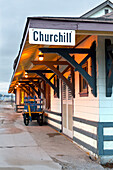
point(53, 134)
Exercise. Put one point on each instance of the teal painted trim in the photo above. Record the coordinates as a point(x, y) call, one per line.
point(106, 124)
point(108, 138)
point(108, 152)
point(54, 127)
point(86, 133)
point(89, 147)
point(54, 113)
point(100, 139)
point(88, 122)
point(54, 120)
point(100, 136)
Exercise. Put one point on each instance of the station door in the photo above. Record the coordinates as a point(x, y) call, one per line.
point(67, 108)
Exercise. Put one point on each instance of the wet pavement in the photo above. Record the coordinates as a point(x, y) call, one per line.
point(37, 147)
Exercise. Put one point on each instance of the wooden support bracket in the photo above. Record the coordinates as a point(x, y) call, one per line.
point(65, 53)
point(109, 67)
point(44, 78)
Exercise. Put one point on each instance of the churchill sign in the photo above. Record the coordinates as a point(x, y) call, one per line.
point(51, 36)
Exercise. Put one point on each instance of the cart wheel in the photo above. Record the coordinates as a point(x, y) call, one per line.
point(40, 120)
point(26, 120)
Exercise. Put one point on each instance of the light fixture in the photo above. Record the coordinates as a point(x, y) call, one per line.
point(18, 83)
point(40, 56)
point(26, 75)
point(15, 87)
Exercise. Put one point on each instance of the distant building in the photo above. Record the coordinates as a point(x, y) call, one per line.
point(0, 97)
point(100, 10)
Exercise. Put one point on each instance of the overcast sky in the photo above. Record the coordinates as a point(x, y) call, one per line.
point(13, 14)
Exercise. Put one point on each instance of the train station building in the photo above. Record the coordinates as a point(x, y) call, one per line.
point(69, 63)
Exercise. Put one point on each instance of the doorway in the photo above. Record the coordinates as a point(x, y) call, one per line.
point(67, 109)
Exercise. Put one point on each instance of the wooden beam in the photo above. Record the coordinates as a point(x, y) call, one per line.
point(37, 85)
point(83, 61)
point(67, 50)
point(65, 53)
point(62, 72)
point(31, 78)
point(50, 62)
point(109, 67)
point(44, 78)
point(24, 82)
point(65, 69)
point(48, 81)
point(102, 33)
point(39, 71)
point(60, 75)
point(26, 88)
point(52, 76)
point(31, 86)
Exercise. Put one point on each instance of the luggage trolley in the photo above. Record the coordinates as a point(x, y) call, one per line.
point(33, 110)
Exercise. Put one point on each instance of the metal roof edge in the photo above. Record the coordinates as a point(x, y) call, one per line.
point(26, 26)
point(74, 19)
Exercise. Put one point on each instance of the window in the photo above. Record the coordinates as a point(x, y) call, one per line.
point(48, 95)
point(69, 91)
point(106, 11)
point(82, 82)
point(55, 84)
point(67, 95)
point(64, 91)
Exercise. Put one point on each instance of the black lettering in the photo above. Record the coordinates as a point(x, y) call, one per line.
point(60, 37)
point(64, 36)
point(51, 35)
point(41, 36)
point(55, 39)
point(46, 37)
point(69, 37)
point(35, 38)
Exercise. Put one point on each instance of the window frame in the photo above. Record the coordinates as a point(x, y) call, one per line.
point(83, 91)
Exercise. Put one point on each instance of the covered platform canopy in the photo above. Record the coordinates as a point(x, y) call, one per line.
point(56, 56)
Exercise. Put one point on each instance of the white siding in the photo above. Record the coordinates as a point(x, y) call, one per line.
point(54, 124)
point(86, 139)
point(105, 103)
point(108, 145)
point(85, 107)
point(101, 12)
point(108, 131)
point(56, 102)
point(85, 127)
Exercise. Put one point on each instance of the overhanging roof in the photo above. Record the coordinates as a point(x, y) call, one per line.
point(28, 52)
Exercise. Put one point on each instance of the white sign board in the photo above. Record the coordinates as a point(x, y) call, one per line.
point(51, 36)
